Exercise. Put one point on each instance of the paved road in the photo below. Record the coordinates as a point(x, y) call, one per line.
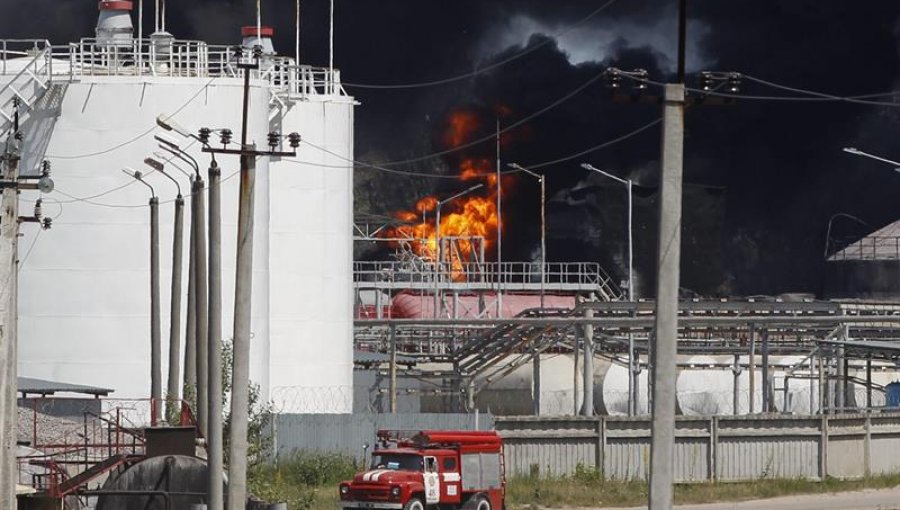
point(886, 499)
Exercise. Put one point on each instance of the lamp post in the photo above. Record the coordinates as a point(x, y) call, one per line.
point(214, 320)
point(437, 238)
point(541, 179)
point(155, 341)
point(632, 370)
point(200, 299)
point(175, 299)
point(857, 152)
point(628, 184)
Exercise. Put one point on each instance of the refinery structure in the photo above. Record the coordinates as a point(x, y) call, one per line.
point(436, 321)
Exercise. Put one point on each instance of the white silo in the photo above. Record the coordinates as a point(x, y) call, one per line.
point(84, 285)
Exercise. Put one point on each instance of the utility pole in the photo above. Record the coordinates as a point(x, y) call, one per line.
point(201, 306)
point(9, 288)
point(662, 447)
point(240, 371)
point(9, 236)
point(155, 332)
point(172, 402)
point(190, 334)
point(214, 385)
point(175, 310)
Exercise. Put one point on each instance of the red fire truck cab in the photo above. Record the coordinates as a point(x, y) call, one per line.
point(431, 469)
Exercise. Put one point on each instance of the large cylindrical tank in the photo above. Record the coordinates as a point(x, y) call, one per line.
point(181, 476)
point(84, 286)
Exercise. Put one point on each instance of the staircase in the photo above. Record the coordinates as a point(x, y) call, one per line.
point(25, 80)
point(485, 358)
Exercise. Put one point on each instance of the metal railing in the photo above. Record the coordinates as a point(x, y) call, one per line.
point(575, 273)
point(90, 57)
point(30, 81)
point(867, 248)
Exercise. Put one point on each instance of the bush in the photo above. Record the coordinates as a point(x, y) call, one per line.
point(305, 481)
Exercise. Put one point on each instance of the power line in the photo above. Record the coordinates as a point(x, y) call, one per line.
point(599, 146)
point(811, 95)
point(490, 67)
point(87, 200)
point(506, 129)
point(456, 177)
point(139, 136)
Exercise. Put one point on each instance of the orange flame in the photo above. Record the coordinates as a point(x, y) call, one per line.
point(472, 215)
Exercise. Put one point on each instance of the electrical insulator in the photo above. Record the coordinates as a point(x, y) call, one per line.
point(640, 79)
point(46, 223)
point(225, 136)
point(204, 135)
point(273, 140)
point(613, 78)
point(706, 80)
point(294, 139)
point(38, 209)
point(734, 83)
point(238, 52)
point(257, 51)
point(45, 167)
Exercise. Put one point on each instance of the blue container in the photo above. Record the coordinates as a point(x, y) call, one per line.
point(892, 394)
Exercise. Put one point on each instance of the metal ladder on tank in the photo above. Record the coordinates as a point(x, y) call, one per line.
point(27, 88)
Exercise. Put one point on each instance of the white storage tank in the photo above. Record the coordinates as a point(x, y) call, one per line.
point(84, 307)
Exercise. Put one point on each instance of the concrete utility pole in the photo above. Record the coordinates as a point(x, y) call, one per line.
point(175, 310)
point(240, 372)
point(214, 384)
point(173, 381)
point(155, 331)
point(201, 309)
point(9, 240)
point(190, 333)
point(587, 407)
point(662, 447)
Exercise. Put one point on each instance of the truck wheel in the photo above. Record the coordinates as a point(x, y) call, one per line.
point(482, 503)
point(414, 504)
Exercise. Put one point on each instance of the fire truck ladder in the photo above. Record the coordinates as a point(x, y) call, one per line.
point(26, 87)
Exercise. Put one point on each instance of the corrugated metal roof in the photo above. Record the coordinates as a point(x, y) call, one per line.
point(30, 385)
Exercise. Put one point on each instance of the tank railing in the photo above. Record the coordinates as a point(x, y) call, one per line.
point(189, 58)
point(18, 48)
point(555, 273)
point(867, 248)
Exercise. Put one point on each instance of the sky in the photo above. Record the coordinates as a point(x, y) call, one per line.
point(763, 176)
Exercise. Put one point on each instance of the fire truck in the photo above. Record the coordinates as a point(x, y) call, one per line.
point(431, 469)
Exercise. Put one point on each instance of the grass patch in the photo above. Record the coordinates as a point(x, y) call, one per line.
point(309, 482)
point(588, 489)
point(303, 481)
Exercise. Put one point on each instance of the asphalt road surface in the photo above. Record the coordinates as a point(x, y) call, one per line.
point(885, 499)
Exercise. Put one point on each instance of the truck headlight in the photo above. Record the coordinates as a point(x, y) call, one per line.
point(395, 491)
point(345, 489)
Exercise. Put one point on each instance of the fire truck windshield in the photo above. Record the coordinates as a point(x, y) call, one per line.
point(406, 462)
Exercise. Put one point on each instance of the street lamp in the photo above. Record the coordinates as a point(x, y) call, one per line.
point(857, 152)
point(174, 375)
point(628, 183)
point(541, 179)
point(632, 370)
point(437, 238)
point(155, 342)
